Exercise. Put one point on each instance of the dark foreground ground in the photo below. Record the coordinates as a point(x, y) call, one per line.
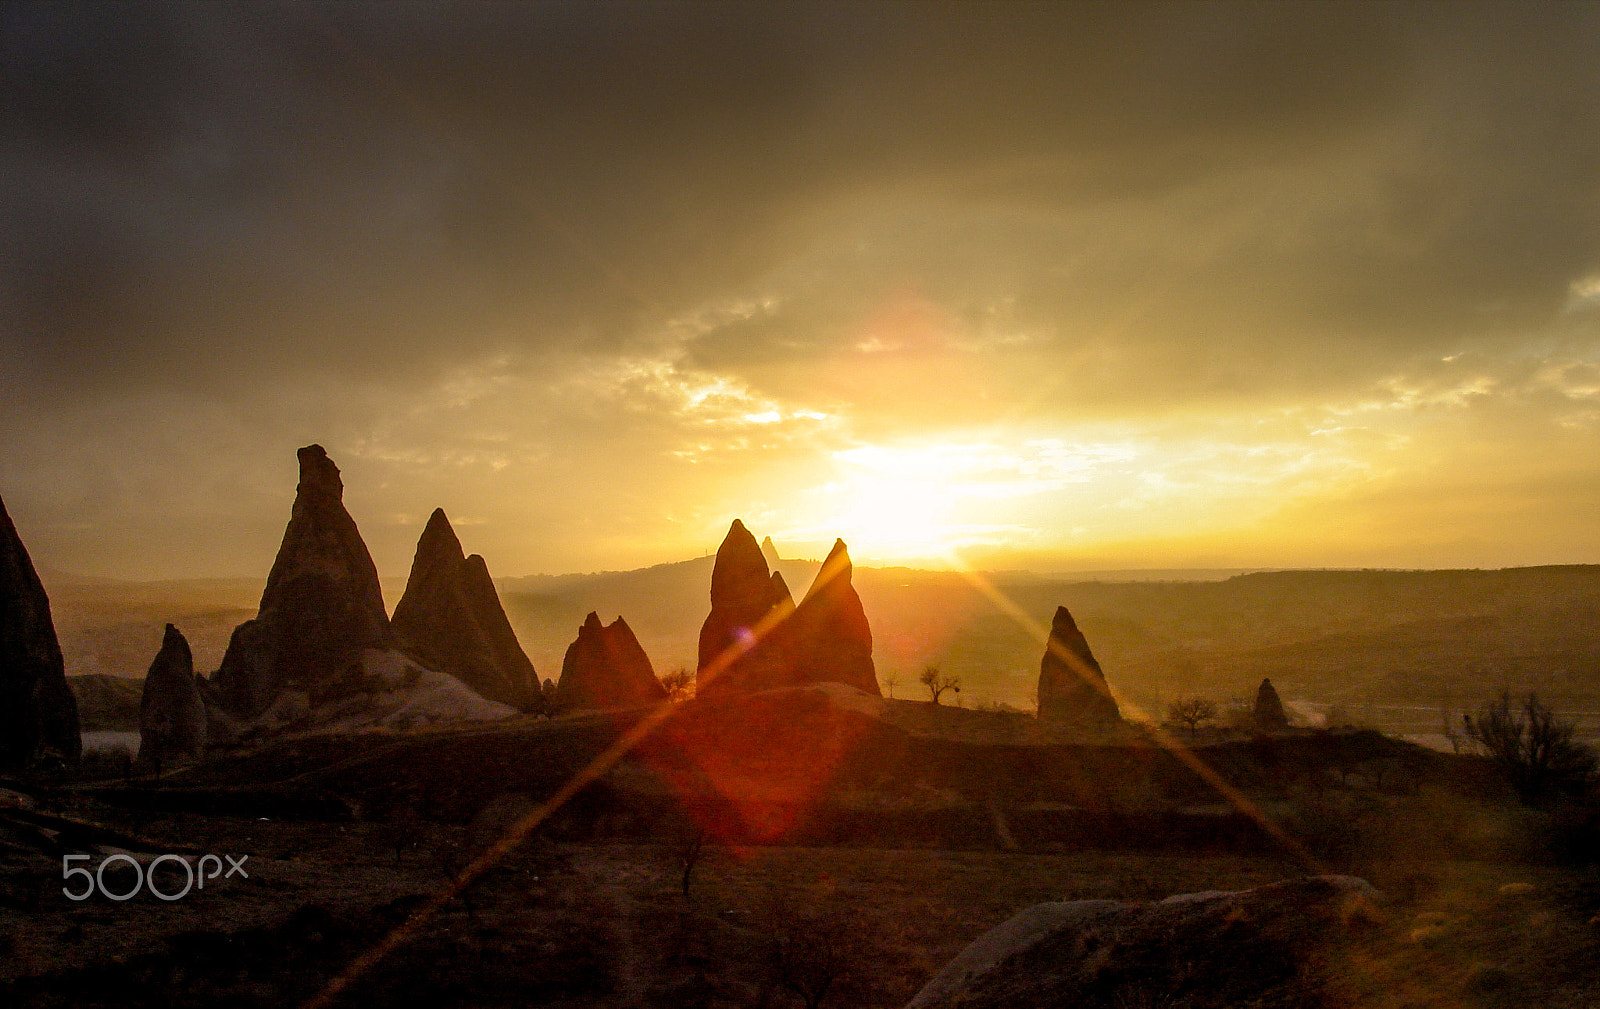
point(609, 924)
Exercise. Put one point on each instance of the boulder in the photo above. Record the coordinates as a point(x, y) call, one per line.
point(321, 608)
point(606, 667)
point(38, 714)
point(733, 639)
point(829, 640)
point(451, 619)
point(172, 715)
point(1072, 689)
point(1273, 945)
point(1269, 713)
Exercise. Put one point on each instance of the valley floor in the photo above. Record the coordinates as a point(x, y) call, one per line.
point(563, 924)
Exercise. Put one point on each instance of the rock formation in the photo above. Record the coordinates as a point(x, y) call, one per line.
point(769, 553)
point(321, 606)
point(1072, 689)
point(1269, 713)
point(606, 667)
point(172, 716)
point(825, 639)
point(450, 617)
point(830, 641)
point(1266, 946)
point(38, 714)
point(743, 596)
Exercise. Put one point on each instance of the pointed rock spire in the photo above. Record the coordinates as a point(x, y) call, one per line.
point(322, 604)
point(831, 640)
point(743, 594)
point(1269, 713)
point(1072, 689)
point(450, 617)
point(172, 715)
point(38, 714)
point(769, 552)
point(606, 667)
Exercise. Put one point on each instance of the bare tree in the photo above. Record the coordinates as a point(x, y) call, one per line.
point(1533, 746)
point(678, 683)
point(891, 681)
point(937, 683)
point(693, 846)
point(1191, 711)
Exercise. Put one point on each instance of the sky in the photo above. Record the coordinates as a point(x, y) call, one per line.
point(1057, 287)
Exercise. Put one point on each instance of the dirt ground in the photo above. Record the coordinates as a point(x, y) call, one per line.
point(563, 924)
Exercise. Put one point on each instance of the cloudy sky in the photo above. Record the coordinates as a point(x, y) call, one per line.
point(1058, 287)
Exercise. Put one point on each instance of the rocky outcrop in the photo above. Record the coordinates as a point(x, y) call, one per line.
point(1269, 713)
point(1266, 946)
point(451, 619)
point(770, 553)
point(38, 714)
point(321, 607)
point(829, 640)
point(172, 716)
point(1072, 689)
point(736, 655)
point(765, 640)
point(606, 667)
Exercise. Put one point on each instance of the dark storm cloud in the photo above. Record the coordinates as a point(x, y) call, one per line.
point(381, 189)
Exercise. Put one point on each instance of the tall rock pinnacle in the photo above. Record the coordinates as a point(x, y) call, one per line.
point(172, 715)
point(743, 595)
point(831, 641)
point(1072, 689)
point(1269, 713)
point(450, 617)
point(321, 606)
point(606, 667)
point(38, 714)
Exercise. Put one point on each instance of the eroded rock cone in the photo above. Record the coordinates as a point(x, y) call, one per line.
point(1269, 713)
point(172, 715)
point(38, 714)
point(451, 619)
point(743, 594)
point(1072, 689)
point(606, 667)
point(1213, 950)
point(830, 641)
point(321, 606)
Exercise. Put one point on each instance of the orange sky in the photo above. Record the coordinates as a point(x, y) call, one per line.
point(1049, 287)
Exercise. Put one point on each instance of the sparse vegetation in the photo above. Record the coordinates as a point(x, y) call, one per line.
point(1191, 711)
point(679, 683)
point(938, 683)
point(1534, 748)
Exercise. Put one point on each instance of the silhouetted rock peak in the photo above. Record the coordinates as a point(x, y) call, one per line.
point(769, 551)
point(606, 667)
point(319, 477)
point(743, 598)
point(38, 714)
point(830, 641)
point(322, 604)
point(1072, 689)
point(825, 639)
point(451, 619)
point(781, 596)
point(1269, 713)
point(172, 714)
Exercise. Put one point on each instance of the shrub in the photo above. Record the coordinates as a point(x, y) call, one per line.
point(1533, 747)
